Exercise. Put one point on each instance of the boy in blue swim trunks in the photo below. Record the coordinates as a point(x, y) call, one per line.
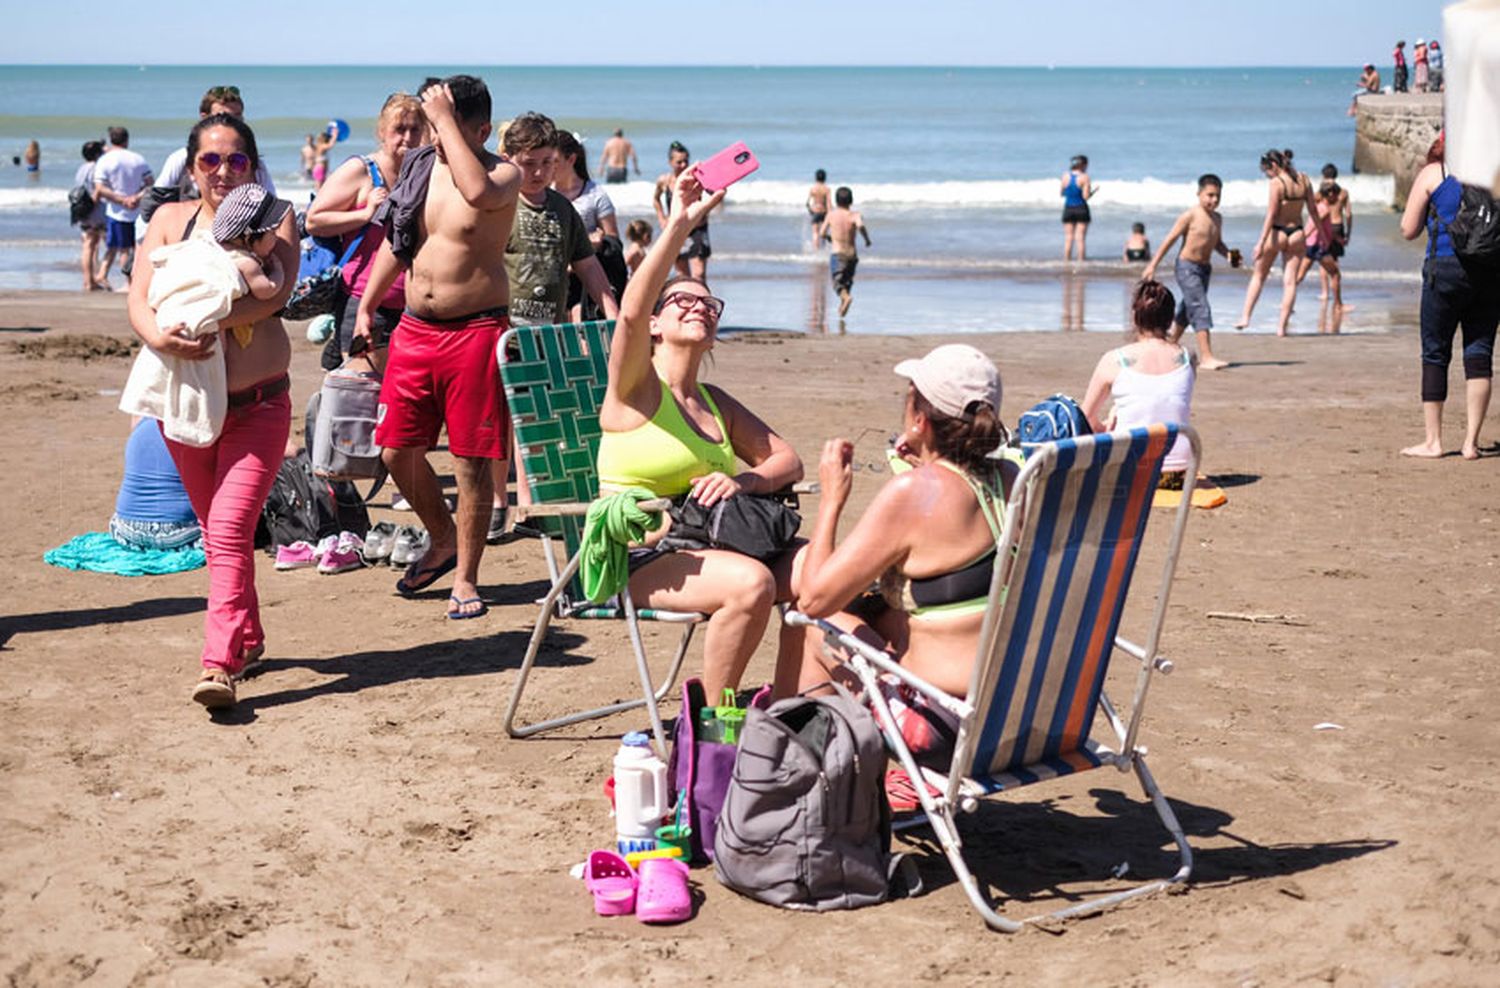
point(1200, 229)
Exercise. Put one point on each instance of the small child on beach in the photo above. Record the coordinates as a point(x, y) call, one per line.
point(817, 204)
point(638, 239)
point(1200, 229)
point(193, 285)
point(841, 227)
point(1326, 252)
point(1150, 379)
point(1137, 247)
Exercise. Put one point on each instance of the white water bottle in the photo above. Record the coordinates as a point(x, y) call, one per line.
point(640, 793)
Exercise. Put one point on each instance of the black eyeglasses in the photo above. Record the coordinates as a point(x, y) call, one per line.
point(209, 161)
point(224, 92)
point(686, 300)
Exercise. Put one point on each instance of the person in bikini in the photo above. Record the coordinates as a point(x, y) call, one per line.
point(929, 538)
point(1201, 231)
point(693, 261)
point(1281, 233)
point(1137, 247)
point(447, 222)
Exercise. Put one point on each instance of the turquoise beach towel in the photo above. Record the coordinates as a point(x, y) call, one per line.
point(99, 552)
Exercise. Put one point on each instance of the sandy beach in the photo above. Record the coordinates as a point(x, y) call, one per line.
point(362, 819)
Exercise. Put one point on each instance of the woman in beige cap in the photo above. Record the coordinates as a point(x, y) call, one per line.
point(928, 537)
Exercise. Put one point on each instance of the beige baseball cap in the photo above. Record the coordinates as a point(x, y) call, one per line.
point(954, 376)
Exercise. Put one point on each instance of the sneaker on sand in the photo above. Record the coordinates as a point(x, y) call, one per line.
point(400, 503)
point(344, 555)
point(298, 555)
point(379, 543)
point(411, 544)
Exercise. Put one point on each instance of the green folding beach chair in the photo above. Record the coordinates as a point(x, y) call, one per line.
point(1072, 532)
point(554, 378)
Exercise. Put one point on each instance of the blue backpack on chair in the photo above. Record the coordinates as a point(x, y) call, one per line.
point(1051, 419)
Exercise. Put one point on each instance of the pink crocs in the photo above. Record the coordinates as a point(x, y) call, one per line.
point(663, 896)
point(612, 883)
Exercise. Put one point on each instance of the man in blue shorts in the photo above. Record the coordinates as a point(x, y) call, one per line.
point(120, 178)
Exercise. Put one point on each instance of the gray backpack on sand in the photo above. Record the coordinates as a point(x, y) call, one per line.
point(341, 419)
point(805, 823)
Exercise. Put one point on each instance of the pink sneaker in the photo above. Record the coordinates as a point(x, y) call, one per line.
point(298, 555)
point(346, 553)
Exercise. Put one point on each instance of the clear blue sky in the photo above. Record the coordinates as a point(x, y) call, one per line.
point(715, 32)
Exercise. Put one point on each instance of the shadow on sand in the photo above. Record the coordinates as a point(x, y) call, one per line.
point(1022, 852)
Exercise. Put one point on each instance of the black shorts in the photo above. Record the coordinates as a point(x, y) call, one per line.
point(697, 245)
point(1076, 214)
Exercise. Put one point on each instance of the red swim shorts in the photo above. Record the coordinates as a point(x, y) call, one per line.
point(445, 372)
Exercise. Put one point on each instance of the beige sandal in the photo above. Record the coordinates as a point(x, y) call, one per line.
point(255, 659)
point(215, 689)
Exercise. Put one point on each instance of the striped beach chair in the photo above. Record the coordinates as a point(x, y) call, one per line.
point(554, 379)
point(1072, 534)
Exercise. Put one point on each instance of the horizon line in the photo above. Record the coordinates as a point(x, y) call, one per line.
point(633, 65)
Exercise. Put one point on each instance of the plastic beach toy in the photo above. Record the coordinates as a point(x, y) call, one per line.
point(663, 896)
point(634, 858)
point(612, 883)
point(678, 836)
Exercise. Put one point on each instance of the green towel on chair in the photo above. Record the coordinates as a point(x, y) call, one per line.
point(613, 523)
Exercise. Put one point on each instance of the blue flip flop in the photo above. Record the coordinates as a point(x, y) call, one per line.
point(406, 587)
point(460, 615)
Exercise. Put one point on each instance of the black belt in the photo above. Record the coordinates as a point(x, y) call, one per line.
point(260, 392)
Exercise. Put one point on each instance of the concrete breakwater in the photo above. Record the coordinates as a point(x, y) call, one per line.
point(1392, 134)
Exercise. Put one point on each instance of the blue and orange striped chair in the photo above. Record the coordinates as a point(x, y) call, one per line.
point(1072, 533)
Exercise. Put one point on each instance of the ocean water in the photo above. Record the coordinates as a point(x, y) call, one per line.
point(956, 171)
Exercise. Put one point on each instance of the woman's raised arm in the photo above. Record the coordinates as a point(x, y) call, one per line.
point(630, 350)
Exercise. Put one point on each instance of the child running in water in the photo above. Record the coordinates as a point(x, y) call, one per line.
point(638, 233)
point(1200, 229)
point(841, 227)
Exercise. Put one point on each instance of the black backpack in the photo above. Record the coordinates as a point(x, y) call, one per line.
point(304, 507)
point(1475, 230)
point(80, 204)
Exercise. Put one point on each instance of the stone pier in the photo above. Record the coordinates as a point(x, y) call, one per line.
point(1392, 134)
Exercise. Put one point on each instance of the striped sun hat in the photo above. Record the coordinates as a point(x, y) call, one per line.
point(248, 209)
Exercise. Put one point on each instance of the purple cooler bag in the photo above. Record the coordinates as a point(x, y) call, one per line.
point(702, 769)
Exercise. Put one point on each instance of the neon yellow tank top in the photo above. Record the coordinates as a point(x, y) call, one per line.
point(665, 454)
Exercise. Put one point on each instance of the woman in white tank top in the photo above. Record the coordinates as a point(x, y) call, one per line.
point(1150, 380)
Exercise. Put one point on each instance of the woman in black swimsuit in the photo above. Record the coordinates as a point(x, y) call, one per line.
point(928, 536)
point(1281, 233)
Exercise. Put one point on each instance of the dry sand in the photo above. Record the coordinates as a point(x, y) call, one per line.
point(363, 819)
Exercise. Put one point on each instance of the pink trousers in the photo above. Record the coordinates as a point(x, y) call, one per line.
point(227, 484)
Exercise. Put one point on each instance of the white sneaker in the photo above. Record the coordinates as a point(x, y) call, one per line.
point(379, 543)
point(411, 544)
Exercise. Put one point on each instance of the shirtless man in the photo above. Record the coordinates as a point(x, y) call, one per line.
point(612, 160)
point(817, 204)
point(693, 261)
point(1201, 231)
point(841, 227)
point(450, 230)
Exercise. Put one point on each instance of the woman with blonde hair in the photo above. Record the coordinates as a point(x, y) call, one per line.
point(343, 209)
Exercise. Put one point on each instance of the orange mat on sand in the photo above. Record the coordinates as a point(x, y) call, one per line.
point(1206, 494)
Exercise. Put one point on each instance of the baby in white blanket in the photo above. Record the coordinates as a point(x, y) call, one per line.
point(193, 284)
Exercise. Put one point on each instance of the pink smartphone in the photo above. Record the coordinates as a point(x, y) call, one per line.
point(727, 167)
